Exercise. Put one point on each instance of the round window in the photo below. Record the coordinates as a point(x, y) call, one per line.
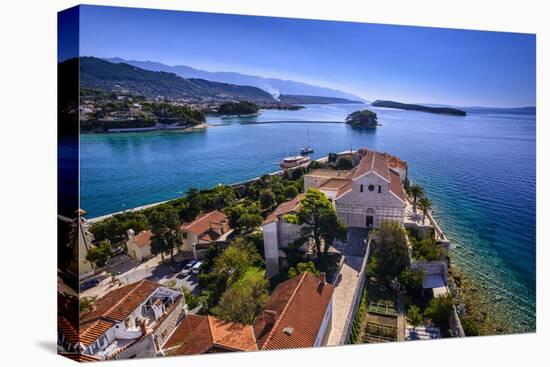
point(371, 187)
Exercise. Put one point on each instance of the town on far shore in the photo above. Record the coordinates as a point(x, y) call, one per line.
point(339, 250)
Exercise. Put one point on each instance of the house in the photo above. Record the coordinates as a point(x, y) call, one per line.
point(134, 110)
point(297, 315)
point(205, 229)
point(130, 321)
point(278, 233)
point(139, 247)
point(208, 334)
point(365, 196)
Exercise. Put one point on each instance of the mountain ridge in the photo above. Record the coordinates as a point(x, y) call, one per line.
point(274, 86)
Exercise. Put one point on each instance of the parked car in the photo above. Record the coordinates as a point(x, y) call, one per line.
point(117, 251)
point(197, 267)
point(189, 265)
point(88, 284)
point(177, 267)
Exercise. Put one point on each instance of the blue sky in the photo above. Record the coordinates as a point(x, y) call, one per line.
point(409, 64)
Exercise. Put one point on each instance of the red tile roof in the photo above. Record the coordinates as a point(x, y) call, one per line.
point(372, 161)
point(203, 334)
point(113, 307)
point(334, 184)
point(396, 186)
point(285, 208)
point(300, 304)
point(207, 221)
point(144, 238)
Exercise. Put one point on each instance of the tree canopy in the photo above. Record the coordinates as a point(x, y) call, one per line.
point(362, 119)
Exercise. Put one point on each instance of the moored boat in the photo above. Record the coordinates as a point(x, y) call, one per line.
point(293, 161)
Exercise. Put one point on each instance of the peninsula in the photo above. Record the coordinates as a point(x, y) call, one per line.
point(416, 107)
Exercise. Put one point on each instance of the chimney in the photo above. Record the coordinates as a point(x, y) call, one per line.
point(131, 235)
point(323, 278)
point(270, 317)
point(143, 327)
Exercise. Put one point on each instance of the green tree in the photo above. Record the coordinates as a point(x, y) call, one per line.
point(332, 157)
point(85, 304)
point(250, 221)
point(235, 260)
point(425, 205)
point(291, 192)
point(242, 304)
point(411, 280)
point(390, 249)
point(344, 163)
point(440, 309)
point(99, 254)
point(267, 199)
point(427, 249)
point(416, 192)
point(414, 315)
point(167, 236)
point(362, 119)
point(303, 267)
point(318, 219)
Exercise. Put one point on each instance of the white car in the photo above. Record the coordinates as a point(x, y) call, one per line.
point(195, 269)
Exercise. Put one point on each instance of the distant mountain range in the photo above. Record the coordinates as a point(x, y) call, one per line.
point(273, 86)
point(101, 74)
point(302, 99)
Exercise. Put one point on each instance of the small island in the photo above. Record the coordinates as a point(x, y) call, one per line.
point(238, 108)
point(364, 119)
point(416, 107)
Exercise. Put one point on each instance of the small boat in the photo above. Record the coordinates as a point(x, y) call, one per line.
point(293, 161)
point(308, 149)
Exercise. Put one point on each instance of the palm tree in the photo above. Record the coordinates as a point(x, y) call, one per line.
point(424, 204)
point(416, 191)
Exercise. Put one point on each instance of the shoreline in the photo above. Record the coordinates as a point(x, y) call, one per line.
point(469, 302)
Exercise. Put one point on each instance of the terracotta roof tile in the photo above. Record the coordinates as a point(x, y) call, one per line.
point(206, 221)
point(300, 304)
point(113, 307)
point(144, 238)
point(120, 303)
point(396, 186)
point(203, 334)
point(334, 184)
point(232, 335)
point(285, 208)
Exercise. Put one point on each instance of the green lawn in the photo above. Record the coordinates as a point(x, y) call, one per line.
point(253, 273)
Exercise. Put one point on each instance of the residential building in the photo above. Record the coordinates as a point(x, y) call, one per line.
point(208, 334)
point(205, 229)
point(278, 233)
point(130, 321)
point(297, 315)
point(139, 247)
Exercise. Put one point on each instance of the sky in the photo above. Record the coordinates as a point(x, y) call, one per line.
point(373, 61)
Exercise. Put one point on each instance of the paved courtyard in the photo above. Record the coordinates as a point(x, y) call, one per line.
point(348, 282)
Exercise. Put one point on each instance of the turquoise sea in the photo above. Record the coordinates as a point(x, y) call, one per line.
point(479, 170)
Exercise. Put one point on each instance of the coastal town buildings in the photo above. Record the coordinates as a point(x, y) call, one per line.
point(139, 246)
point(365, 196)
point(205, 229)
point(297, 315)
point(208, 334)
point(127, 322)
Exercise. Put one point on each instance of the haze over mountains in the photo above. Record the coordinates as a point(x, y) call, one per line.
point(101, 74)
point(273, 86)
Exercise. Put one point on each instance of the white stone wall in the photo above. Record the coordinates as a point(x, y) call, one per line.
point(353, 207)
point(271, 248)
point(326, 325)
